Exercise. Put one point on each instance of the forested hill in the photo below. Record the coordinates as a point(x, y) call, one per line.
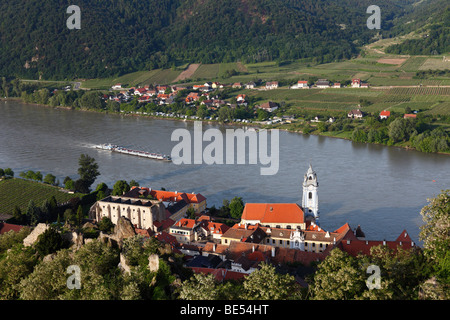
point(120, 36)
point(434, 27)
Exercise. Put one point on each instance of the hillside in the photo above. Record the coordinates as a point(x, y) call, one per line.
point(432, 35)
point(123, 36)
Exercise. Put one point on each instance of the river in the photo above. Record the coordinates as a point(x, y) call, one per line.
point(380, 188)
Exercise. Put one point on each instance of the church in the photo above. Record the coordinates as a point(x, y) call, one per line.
point(289, 225)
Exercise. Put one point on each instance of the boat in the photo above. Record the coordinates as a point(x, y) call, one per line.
point(144, 154)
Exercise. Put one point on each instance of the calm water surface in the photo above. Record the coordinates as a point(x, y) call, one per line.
point(380, 188)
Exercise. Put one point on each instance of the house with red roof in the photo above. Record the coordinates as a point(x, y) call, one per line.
point(354, 246)
point(301, 84)
point(191, 230)
point(385, 114)
point(356, 83)
point(192, 97)
point(176, 203)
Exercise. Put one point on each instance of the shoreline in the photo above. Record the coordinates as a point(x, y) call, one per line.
point(236, 124)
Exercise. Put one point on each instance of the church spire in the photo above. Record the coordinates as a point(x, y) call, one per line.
point(310, 200)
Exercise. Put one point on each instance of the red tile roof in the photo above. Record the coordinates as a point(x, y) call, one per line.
point(385, 113)
point(5, 227)
point(273, 213)
point(354, 246)
point(167, 238)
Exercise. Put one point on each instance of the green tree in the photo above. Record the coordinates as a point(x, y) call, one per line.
point(200, 287)
point(435, 235)
point(49, 242)
point(50, 179)
point(120, 187)
point(236, 207)
point(48, 280)
point(359, 135)
point(105, 225)
point(79, 215)
point(190, 213)
point(266, 284)
point(88, 171)
point(338, 277)
point(8, 172)
point(16, 264)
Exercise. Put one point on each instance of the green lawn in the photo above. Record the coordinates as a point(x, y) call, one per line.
point(18, 192)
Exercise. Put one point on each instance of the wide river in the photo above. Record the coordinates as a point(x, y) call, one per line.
point(380, 188)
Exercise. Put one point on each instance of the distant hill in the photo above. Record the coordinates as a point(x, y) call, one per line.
point(433, 24)
point(122, 36)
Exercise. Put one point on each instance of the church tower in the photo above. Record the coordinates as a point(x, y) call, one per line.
point(310, 201)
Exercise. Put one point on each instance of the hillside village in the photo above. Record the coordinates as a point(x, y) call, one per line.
point(205, 95)
point(275, 233)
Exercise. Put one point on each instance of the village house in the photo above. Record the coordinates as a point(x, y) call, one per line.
point(271, 85)
point(117, 86)
point(356, 83)
point(191, 230)
point(336, 85)
point(409, 115)
point(197, 86)
point(237, 85)
point(323, 83)
point(385, 114)
point(355, 114)
point(301, 84)
point(250, 85)
point(192, 97)
point(268, 106)
point(217, 85)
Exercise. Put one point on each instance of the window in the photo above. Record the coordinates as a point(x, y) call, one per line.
point(310, 195)
point(310, 177)
point(268, 240)
point(281, 241)
point(273, 241)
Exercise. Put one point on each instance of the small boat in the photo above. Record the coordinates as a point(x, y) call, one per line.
point(144, 154)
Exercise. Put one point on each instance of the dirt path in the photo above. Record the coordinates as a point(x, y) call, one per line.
point(188, 72)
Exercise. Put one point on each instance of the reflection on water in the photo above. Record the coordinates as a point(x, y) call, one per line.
point(380, 188)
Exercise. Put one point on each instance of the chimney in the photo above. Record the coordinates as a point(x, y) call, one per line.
point(273, 252)
point(384, 242)
point(253, 248)
point(214, 247)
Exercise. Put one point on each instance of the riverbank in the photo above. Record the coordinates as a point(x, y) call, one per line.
point(289, 127)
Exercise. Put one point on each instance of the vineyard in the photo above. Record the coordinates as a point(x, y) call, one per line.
point(441, 91)
point(18, 192)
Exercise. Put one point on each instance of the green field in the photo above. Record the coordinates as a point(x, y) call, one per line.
point(18, 192)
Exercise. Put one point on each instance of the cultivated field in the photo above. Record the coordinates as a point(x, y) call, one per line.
point(19, 192)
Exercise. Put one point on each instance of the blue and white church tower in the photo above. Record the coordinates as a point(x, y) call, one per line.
point(310, 201)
